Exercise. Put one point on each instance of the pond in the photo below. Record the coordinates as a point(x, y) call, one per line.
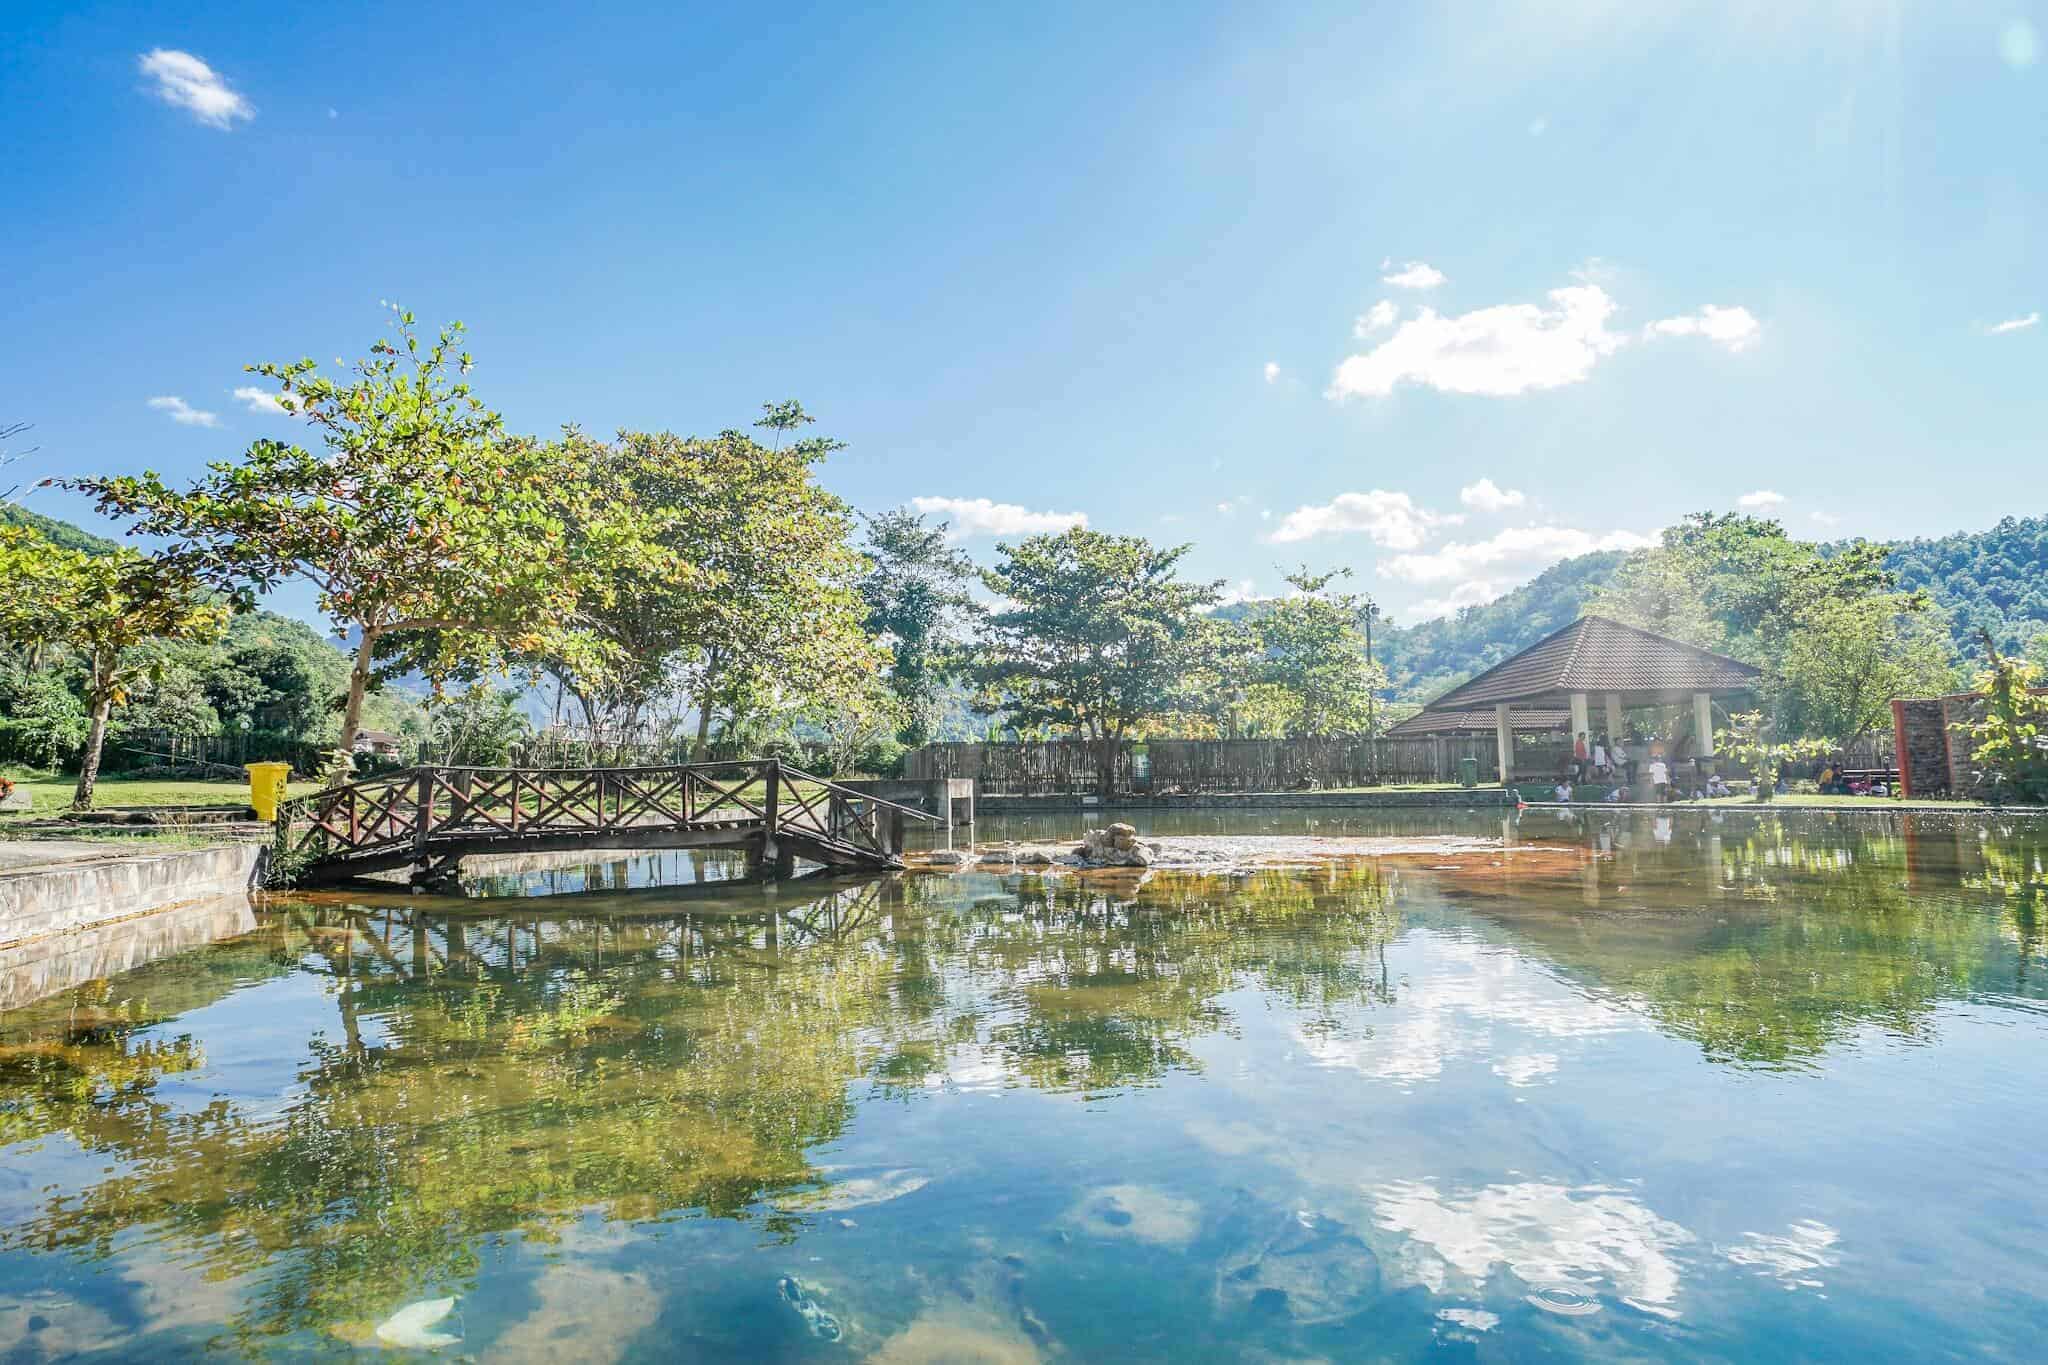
point(1725, 1086)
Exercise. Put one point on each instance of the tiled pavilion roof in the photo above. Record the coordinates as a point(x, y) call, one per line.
point(1596, 655)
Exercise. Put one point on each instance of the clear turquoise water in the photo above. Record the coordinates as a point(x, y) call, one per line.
point(1732, 1088)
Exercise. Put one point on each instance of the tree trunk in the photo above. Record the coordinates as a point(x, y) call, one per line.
point(96, 738)
point(703, 742)
point(1105, 764)
point(352, 713)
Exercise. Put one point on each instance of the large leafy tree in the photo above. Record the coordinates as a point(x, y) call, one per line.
point(756, 610)
point(418, 518)
point(915, 591)
point(1100, 637)
point(1311, 657)
point(1834, 634)
point(106, 607)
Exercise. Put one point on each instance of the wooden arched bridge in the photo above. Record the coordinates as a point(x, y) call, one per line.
point(429, 819)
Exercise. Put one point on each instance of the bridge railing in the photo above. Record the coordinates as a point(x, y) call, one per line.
point(414, 807)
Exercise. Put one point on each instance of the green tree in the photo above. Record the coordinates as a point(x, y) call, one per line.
point(105, 607)
point(915, 590)
point(757, 611)
point(1312, 651)
point(42, 719)
point(421, 523)
point(2009, 741)
point(1100, 637)
point(1839, 671)
point(479, 727)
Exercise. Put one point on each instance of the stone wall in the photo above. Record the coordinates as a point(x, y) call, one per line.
point(1935, 759)
point(76, 895)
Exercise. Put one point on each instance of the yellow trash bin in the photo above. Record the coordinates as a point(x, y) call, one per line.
point(267, 787)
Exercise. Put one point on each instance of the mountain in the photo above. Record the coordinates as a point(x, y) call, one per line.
point(62, 532)
point(1431, 657)
point(1995, 580)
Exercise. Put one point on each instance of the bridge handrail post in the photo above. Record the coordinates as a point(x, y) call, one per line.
point(771, 808)
point(423, 813)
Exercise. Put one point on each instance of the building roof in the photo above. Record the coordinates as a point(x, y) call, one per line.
point(1594, 654)
point(1425, 723)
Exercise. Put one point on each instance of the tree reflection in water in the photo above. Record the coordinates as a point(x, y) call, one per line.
point(506, 1074)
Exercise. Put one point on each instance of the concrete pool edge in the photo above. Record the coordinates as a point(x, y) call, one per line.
point(85, 892)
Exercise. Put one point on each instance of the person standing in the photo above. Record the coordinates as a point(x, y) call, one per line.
point(1579, 758)
point(1660, 778)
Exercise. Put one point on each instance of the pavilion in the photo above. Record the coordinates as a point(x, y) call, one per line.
point(1559, 675)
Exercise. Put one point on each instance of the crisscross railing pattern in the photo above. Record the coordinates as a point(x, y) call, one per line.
point(422, 809)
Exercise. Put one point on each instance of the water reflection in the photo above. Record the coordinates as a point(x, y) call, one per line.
point(1425, 1101)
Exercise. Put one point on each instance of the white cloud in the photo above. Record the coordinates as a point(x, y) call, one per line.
point(1735, 328)
point(1390, 519)
point(258, 400)
point(1538, 126)
point(1244, 590)
point(185, 82)
point(980, 517)
point(1272, 370)
point(2013, 325)
point(1794, 1258)
point(183, 413)
point(1476, 593)
point(1825, 518)
point(1515, 553)
point(1597, 1238)
point(1377, 318)
point(1486, 496)
point(1759, 500)
point(1508, 349)
point(1413, 275)
point(332, 112)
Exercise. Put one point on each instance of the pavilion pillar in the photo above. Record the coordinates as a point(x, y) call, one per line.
point(1613, 718)
point(1504, 741)
point(1581, 724)
point(1703, 723)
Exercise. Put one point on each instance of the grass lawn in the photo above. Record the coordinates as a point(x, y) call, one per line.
point(53, 793)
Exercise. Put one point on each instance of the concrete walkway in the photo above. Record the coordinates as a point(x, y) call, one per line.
point(28, 855)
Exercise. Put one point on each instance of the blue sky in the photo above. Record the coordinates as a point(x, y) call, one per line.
point(1440, 292)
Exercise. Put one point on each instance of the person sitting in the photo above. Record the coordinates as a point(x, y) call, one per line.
point(1563, 791)
point(1618, 795)
point(1717, 787)
point(1830, 780)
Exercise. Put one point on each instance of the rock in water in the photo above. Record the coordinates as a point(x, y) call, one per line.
point(408, 1326)
point(1311, 1269)
point(803, 1300)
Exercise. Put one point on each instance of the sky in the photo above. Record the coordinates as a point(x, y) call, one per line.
point(1440, 293)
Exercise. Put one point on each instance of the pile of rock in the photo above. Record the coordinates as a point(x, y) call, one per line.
point(1115, 846)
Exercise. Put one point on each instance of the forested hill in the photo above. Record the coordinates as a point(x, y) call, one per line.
point(1996, 580)
point(1430, 657)
point(62, 532)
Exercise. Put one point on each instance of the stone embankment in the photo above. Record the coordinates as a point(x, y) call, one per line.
point(76, 885)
